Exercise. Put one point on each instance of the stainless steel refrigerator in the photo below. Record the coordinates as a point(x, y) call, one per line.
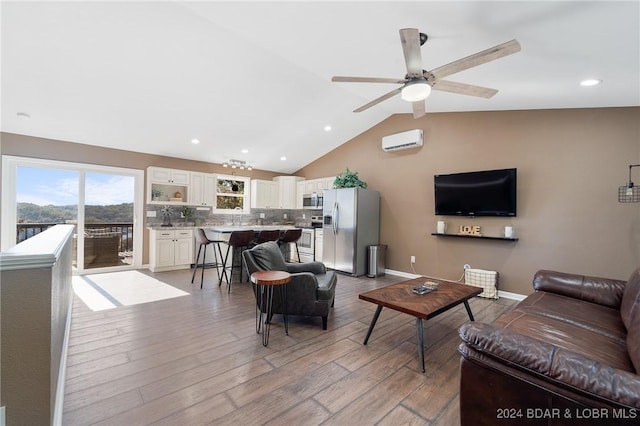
point(351, 223)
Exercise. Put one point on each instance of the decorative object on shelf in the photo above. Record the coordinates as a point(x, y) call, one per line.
point(166, 215)
point(629, 193)
point(441, 227)
point(473, 230)
point(177, 194)
point(508, 231)
point(186, 213)
point(349, 179)
point(237, 164)
point(155, 194)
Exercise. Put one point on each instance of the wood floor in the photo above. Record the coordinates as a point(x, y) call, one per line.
point(197, 360)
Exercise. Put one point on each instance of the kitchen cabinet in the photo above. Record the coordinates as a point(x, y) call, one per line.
point(287, 187)
point(161, 175)
point(170, 249)
point(264, 194)
point(167, 186)
point(310, 186)
point(319, 239)
point(202, 190)
point(299, 194)
point(328, 182)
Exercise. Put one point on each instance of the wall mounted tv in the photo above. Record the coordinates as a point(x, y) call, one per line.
point(482, 193)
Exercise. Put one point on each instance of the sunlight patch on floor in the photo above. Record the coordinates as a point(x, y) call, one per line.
point(113, 289)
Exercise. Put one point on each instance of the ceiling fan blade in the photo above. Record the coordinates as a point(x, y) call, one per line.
point(410, 38)
point(418, 109)
point(464, 89)
point(378, 100)
point(476, 59)
point(366, 80)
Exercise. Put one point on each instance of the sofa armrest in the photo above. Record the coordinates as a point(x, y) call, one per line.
point(550, 362)
point(603, 291)
point(313, 267)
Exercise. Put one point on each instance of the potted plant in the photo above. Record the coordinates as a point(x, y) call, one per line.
point(349, 179)
point(186, 213)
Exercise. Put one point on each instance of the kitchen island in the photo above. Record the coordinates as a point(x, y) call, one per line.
point(174, 247)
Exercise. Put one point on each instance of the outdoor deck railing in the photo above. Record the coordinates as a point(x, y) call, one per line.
point(28, 230)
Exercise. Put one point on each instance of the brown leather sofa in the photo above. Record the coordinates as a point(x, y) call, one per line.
point(567, 354)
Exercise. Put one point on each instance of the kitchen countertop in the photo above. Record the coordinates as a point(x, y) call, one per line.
point(222, 228)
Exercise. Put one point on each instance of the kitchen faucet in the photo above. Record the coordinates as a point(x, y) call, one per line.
point(233, 216)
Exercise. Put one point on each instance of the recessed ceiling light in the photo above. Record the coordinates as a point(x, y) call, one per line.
point(590, 82)
point(23, 116)
point(195, 141)
point(283, 158)
point(244, 151)
point(327, 128)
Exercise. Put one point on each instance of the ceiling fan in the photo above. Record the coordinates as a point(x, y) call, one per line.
point(418, 83)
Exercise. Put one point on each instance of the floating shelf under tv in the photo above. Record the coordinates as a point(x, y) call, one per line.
point(477, 237)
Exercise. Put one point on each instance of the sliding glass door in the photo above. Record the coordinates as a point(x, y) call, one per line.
point(108, 220)
point(104, 203)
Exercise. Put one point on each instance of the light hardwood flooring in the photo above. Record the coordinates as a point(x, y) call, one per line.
point(197, 360)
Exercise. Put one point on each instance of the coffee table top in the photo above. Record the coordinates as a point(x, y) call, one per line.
point(270, 277)
point(400, 297)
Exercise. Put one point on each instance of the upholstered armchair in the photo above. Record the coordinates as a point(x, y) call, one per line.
point(311, 291)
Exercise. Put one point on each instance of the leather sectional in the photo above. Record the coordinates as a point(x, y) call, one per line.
point(567, 354)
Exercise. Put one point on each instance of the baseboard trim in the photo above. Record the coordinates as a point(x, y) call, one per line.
point(504, 294)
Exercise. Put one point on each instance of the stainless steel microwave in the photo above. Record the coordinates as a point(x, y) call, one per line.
point(312, 201)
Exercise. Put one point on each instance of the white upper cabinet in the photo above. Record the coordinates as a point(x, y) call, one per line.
point(202, 191)
point(167, 186)
point(264, 194)
point(287, 188)
point(160, 175)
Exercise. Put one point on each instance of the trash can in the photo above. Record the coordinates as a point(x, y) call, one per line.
point(376, 260)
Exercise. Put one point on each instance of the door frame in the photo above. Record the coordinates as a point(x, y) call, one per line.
point(8, 217)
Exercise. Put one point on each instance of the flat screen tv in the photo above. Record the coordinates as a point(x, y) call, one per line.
point(482, 193)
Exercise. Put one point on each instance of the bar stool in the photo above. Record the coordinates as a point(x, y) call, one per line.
point(204, 241)
point(267, 235)
point(291, 236)
point(239, 240)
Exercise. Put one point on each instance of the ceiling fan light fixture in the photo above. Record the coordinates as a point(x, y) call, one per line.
point(417, 90)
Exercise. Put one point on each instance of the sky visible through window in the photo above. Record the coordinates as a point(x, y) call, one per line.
point(59, 187)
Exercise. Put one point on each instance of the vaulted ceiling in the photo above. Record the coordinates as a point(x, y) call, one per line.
point(256, 76)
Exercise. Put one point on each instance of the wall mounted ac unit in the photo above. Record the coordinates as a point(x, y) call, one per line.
point(403, 140)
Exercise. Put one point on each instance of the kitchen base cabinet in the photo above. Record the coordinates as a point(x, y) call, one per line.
point(170, 249)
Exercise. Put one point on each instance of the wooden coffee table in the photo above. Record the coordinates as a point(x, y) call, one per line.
point(400, 297)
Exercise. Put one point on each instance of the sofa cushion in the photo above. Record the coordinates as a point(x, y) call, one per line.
point(630, 298)
point(269, 257)
point(563, 334)
point(590, 316)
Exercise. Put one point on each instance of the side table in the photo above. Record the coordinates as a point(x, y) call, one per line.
point(265, 282)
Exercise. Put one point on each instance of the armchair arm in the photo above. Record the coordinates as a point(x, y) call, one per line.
point(313, 267)
point(603, 291)
point(550, 362)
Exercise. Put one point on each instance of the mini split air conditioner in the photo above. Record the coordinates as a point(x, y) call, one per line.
point(403, 140)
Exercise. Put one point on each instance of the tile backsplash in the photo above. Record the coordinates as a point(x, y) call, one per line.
point(207, 218)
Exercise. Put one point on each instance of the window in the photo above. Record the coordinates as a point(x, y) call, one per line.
point(232, 193)
point(105, 204)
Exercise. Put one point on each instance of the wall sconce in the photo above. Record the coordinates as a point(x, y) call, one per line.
point(237, 164)
point(629, 193)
